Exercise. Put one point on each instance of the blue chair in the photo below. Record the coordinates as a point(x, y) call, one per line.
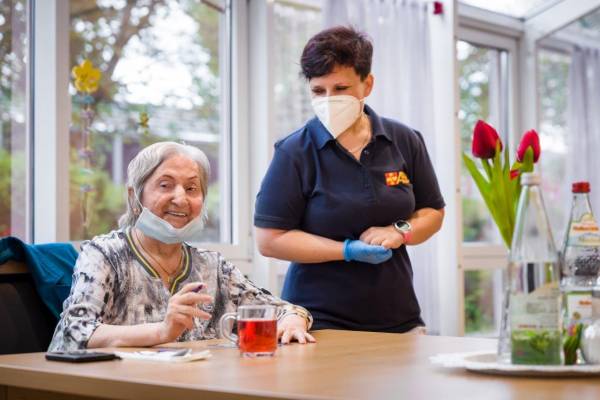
point(27, 323)
point(34, 282)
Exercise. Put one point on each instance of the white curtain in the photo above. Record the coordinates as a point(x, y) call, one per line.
point(399, 30)
point(292, 27)
point(583, 121)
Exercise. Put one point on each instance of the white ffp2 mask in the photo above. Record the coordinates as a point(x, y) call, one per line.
point(337, 113)
point(157, 228)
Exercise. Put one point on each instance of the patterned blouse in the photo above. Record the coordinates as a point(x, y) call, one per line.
point(114, 284)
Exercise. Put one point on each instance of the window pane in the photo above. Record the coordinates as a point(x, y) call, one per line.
point(293, 26)
point(553, 81)
point(483, 302)
point(14, 47)
point(481, 76)
point(159, 59)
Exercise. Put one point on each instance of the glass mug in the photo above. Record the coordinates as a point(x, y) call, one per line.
point(257, 330)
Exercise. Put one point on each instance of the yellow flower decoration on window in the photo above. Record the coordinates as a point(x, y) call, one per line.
point(144, 119)
point(86, 77)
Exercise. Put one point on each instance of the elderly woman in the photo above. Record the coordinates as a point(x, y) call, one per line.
point(139, 285)
point(347, 190)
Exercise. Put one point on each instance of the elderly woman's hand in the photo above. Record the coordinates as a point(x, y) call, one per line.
point(181, 311)
point(293, 327)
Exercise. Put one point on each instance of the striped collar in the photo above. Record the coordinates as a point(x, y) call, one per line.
point(184, 271)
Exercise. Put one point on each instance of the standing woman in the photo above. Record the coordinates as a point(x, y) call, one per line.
point(345, 194)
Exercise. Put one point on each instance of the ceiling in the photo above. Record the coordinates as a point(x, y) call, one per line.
point(522, 9)
point(588, 26)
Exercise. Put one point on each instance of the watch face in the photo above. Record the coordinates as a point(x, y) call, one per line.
point(402, 226)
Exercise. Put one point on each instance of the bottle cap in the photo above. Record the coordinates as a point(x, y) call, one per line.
point(530, 178)
point(581, 187)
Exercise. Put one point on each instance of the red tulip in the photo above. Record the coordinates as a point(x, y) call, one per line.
point(514, 173)
point(530, 139)
point(485, 139)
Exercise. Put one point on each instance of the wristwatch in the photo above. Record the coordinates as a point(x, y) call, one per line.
point(404, 228)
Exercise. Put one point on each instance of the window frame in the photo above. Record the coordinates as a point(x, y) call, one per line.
point(51, 116)
point(485, 256)
point(524, 37)
point(27, 148)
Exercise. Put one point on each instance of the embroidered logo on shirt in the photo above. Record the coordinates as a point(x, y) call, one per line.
point(396, 178)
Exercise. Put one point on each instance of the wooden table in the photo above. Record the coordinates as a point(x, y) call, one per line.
point(342, 365)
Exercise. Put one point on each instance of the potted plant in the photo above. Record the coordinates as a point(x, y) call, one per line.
point(497, 180)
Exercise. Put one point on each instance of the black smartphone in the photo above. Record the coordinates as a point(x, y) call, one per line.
point(80, 356)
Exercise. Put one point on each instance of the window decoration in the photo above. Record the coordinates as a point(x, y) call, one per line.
point(86, 79)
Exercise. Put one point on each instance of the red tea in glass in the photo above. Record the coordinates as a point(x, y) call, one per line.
point(257, 335)
point(257, 330)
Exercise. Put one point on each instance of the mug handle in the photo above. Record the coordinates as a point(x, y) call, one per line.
point(226, 333)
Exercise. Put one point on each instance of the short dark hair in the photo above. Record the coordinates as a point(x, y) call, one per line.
point(339, 45)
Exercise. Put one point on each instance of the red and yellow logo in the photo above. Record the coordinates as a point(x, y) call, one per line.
point(396, 178)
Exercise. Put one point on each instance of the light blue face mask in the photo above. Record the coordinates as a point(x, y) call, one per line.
point(157, 228)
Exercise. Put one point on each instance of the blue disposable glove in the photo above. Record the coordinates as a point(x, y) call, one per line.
point(356, 250)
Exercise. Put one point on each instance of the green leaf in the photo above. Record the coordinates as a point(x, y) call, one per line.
point(515, 187)
point(499, 192)
point(503, 203)
point(480, 181)
point(527, 165)
point(482, 184)
point(487, 192)
point(486, 166)
point(510, 202)
point(571, 344)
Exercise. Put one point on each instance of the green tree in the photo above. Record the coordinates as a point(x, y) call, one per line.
point(473, 81)
point(478, 303)
point(105, 35)
point(13, 74)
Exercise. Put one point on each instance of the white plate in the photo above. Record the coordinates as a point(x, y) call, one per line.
point(486, 363)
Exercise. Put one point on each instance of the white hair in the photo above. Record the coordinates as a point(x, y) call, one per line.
point(145, 163)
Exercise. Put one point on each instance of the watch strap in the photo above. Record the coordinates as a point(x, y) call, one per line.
point(406, 235)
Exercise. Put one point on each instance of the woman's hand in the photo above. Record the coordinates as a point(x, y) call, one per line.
point(386, 236)
point(293, 327)
point(181, 311)
point(357, 250)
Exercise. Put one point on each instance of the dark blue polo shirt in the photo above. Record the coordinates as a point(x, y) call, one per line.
point(313, 184)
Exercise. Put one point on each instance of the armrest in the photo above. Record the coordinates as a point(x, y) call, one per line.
point(13, 267)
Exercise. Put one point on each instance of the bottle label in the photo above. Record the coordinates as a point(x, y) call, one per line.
point(535, 327)
point(535, 311)
point(584, 232)
point(578, 307)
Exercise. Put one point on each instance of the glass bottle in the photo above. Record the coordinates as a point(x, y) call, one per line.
point(595, 301)
point(580, 259)
point(531, 320)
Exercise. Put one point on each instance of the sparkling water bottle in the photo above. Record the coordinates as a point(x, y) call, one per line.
point(580, 259)
point(531, 331)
